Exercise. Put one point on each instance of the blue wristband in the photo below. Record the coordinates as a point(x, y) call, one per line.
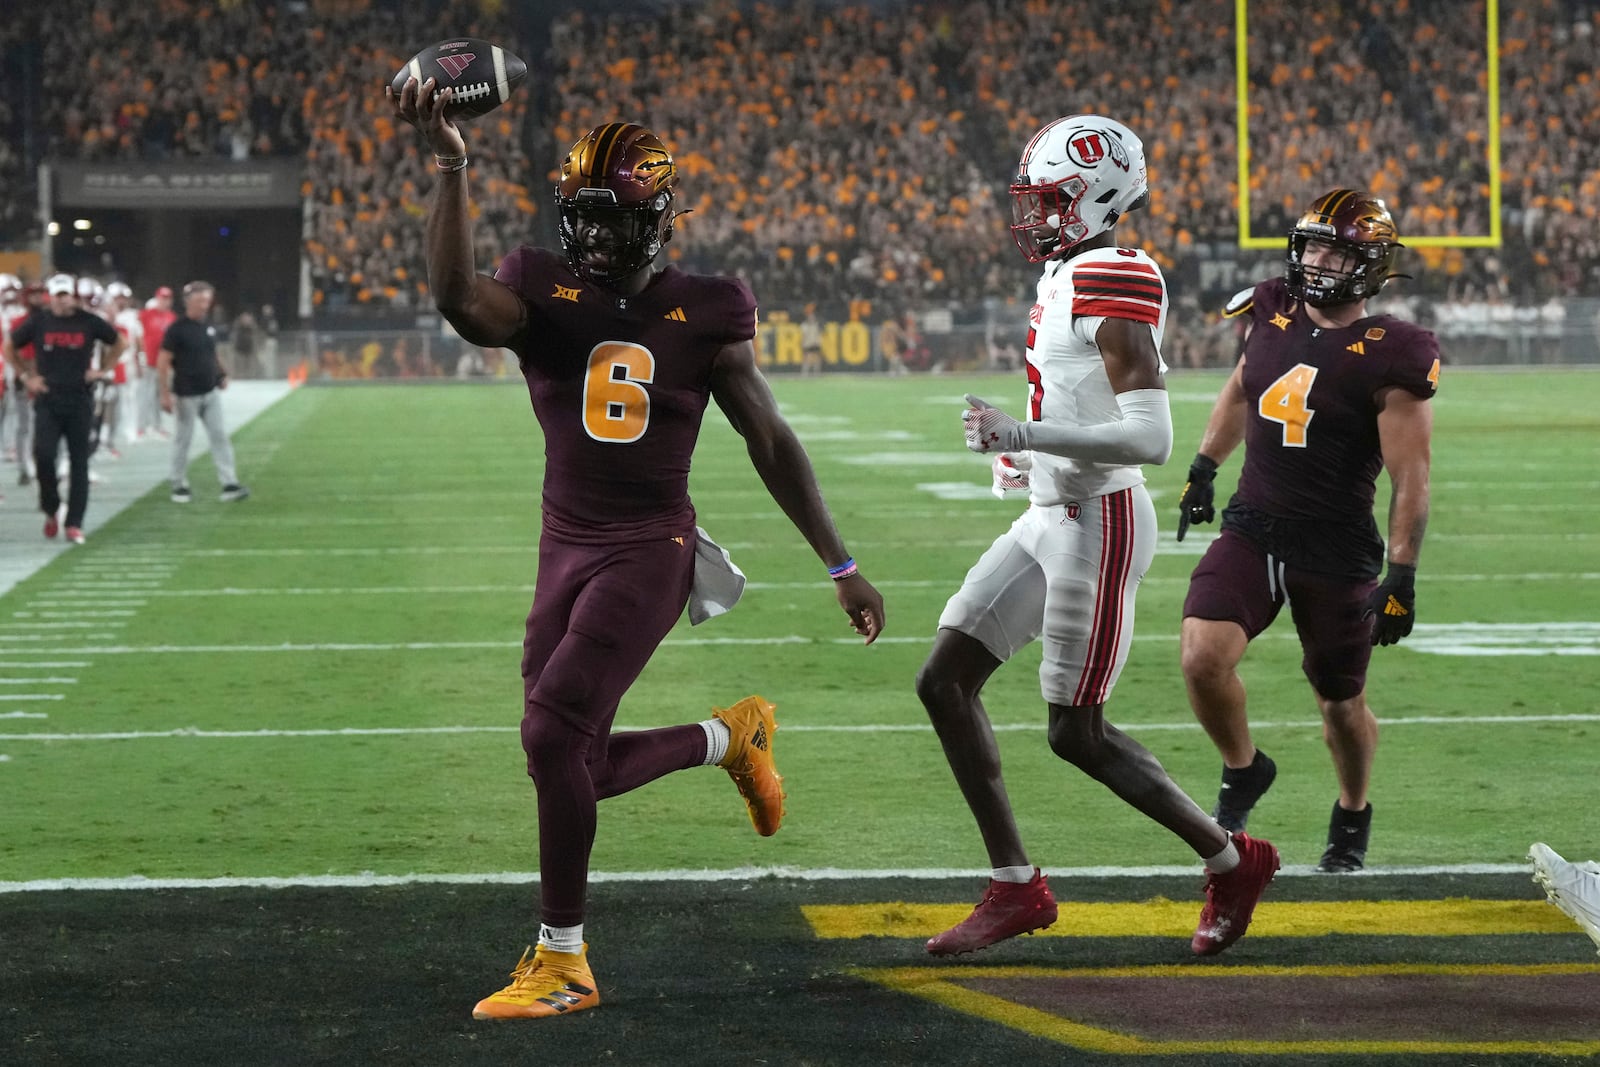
point(843, 570)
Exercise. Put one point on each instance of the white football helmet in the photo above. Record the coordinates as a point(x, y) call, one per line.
point(89, 291)
point(1078, 175)
point(10, 288)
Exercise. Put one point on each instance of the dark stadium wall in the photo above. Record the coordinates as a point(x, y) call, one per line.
point(251, 255)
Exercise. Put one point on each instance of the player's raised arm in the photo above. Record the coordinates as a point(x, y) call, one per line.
point(781, 461)
point(483, 311)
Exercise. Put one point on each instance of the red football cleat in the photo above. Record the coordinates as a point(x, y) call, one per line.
point(52, 526)
point(1006, 910)
point(1231, 898)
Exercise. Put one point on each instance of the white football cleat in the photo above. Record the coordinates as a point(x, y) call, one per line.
point(1574, 888)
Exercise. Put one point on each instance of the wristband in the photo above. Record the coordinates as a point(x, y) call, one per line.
point(450, 164)
point(843, 570)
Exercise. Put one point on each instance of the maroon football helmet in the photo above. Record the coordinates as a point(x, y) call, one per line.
point(619, 178)
point(1359, 226)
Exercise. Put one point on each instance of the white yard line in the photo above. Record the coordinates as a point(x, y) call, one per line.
point(33, 664)
point(737, 874)
point(1569, 638)
point(194, 733)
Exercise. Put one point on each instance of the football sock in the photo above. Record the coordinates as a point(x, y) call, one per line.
point(561, 938)
point(1021, 875)
point(1245, 782)
point(717, 735)
point(1224, 861)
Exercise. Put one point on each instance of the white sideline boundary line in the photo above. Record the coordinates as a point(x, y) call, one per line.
point(186, 732)
point(735, 874)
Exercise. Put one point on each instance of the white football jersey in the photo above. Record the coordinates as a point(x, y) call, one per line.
point(1067, 381)
point(127, 322)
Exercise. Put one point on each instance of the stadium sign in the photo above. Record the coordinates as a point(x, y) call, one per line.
point(258, 184)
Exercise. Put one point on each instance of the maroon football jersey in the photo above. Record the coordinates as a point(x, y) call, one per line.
point(1311, 433)
point(619, 386)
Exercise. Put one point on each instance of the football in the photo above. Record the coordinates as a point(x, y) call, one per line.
point(481, 75)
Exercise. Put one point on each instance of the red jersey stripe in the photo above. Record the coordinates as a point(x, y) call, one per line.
point(1116, 565)
point(1137, 309)
point(1147, 291)
point(1120, 278)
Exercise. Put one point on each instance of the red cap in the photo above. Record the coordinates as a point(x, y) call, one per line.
point(165, 290)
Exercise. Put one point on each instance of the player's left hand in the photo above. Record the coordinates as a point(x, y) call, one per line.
point(988, 429)
point(863, 604)
point(1393, 605)
point(1010, 470)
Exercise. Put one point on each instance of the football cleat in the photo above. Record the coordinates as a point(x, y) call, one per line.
point(749, 763)
point(75, 535)
point(1231, 897)
point(181, 495)
point(233, 493)
point(544, 984)
point(52, 526)
point(1241, 788)
point(1006, 910)
point(1348, 833)
point(1572, 887)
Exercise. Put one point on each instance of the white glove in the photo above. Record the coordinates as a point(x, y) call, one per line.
point(988, 429)
point(1010, 473)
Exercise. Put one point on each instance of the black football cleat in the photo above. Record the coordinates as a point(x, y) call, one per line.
point(1348, 832)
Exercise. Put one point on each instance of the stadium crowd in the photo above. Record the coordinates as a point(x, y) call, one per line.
point(857, 156)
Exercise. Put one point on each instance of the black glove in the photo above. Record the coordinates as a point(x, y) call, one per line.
point(1393, 605)
point(1195, 505)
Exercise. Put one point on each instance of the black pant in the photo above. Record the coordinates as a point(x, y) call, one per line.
point(58, 415)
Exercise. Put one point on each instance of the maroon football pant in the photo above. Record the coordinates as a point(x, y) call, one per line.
point(599, 611)
point(1237, 581)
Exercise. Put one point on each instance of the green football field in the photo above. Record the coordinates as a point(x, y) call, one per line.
point(325, 680)
point(321, 686)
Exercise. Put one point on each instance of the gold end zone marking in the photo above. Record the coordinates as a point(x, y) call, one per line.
point(938, 985)
point(1167, 918)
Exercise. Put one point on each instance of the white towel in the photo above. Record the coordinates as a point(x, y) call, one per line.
point(718, 581)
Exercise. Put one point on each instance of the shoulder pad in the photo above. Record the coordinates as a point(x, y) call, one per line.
point(1239, 303)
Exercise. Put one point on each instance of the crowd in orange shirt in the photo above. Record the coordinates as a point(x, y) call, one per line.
point(860, 153)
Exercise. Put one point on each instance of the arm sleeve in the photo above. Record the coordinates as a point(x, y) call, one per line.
point(1142, 435)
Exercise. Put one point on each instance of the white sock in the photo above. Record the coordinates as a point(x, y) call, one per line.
point(717, 736)
point(1021, 875)
point(561, 938)
point(1224, 861)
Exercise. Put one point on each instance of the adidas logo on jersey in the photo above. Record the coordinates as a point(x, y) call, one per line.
point(676, 315)
point(1358, 348)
